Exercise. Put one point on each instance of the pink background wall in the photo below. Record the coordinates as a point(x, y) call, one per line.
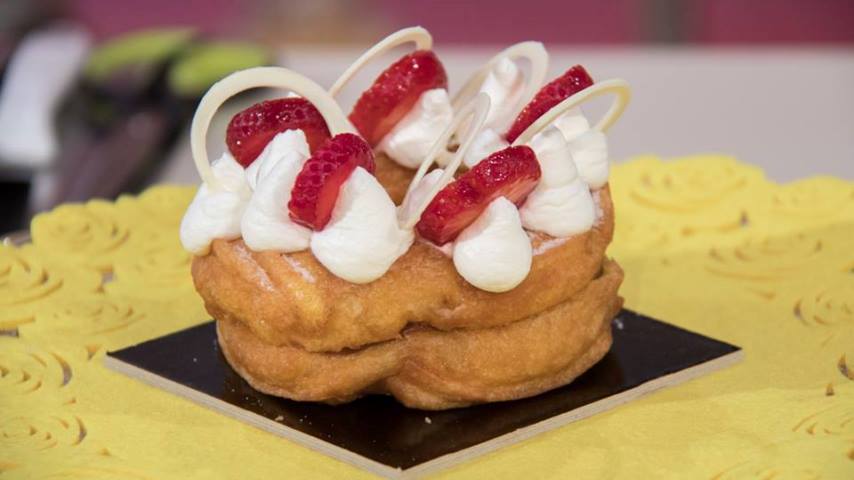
point(497, 21)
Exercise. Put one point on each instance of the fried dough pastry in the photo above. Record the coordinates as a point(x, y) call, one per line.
point(419, 331)
point(433, 369)
point(290, 299)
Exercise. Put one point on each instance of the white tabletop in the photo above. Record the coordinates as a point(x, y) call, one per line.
point(787, 110)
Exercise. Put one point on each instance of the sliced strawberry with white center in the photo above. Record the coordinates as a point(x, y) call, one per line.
point(394, 93)
point(316, 187)
point(571, 82)
point(512, 173)
point(252, 129)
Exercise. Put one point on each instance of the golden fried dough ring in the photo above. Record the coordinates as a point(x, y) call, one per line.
point(291, 299)
point(432, 369)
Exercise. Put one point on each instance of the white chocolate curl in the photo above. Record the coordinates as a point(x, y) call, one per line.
point(417, 35)
point(274, 77)
point(485, 143)
point(473, 115)
point(534, 52)
point(413, 136)
point(622, 96)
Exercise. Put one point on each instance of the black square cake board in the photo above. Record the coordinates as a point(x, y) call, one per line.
point(380, 435)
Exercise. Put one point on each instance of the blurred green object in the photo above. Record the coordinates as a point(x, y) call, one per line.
point(137, 96)
point(137, 50)
point(206, 63)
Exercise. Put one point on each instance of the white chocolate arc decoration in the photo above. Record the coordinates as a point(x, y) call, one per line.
point(274, 77)
point(622, 96)
point(418, 35)
point(536, 54)
point(477, 110)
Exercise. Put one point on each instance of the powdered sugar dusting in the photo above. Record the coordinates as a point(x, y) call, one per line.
point(306, 275)
point(446, 249)
point(260, 274)
point(550, 244)
point(597, 202)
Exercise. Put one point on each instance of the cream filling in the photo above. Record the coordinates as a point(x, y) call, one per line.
point(415, 134)
point(561, 204)
point(216, 213)
point(590, 153)
point(494, 253)
point(266, 224)
point(282, 144)
point(505, 86)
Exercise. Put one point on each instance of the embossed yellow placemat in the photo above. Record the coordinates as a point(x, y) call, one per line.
point(707, 243)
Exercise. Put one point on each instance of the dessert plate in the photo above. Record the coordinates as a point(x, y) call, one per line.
point(380, 435)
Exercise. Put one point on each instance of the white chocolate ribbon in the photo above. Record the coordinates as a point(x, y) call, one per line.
point(417, 35)
point(618, 87)
point(472, 115)
point(275, 77)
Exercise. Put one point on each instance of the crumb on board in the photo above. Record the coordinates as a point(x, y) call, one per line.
point(829, 390)
point(428, 420)
point(279, 418)
point(844, 369)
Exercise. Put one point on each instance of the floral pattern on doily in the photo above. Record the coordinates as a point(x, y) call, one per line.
point(92, 235)
point(29, 284)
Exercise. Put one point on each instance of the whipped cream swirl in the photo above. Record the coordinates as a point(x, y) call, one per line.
point(494, 253)
point(561, 205)
point(278, 147)
point(505, 85)
point(412, 137)
point(572, 124)
point(362, 239)
point(216, 213)
point(590, 152)
point(589, 148)
point(266, 224)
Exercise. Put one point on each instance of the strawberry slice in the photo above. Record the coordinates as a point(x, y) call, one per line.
point(252, 129)
point(316, 187)
point(395, 92)
point(571, 82)
point(511, 173)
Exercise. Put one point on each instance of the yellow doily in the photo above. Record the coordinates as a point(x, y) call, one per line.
point(707, 243)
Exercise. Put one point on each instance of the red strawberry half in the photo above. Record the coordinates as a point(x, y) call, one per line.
point(571, 82)
point(395, 92)
point(511, 173)
point(252, 129)
point(316, 187)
